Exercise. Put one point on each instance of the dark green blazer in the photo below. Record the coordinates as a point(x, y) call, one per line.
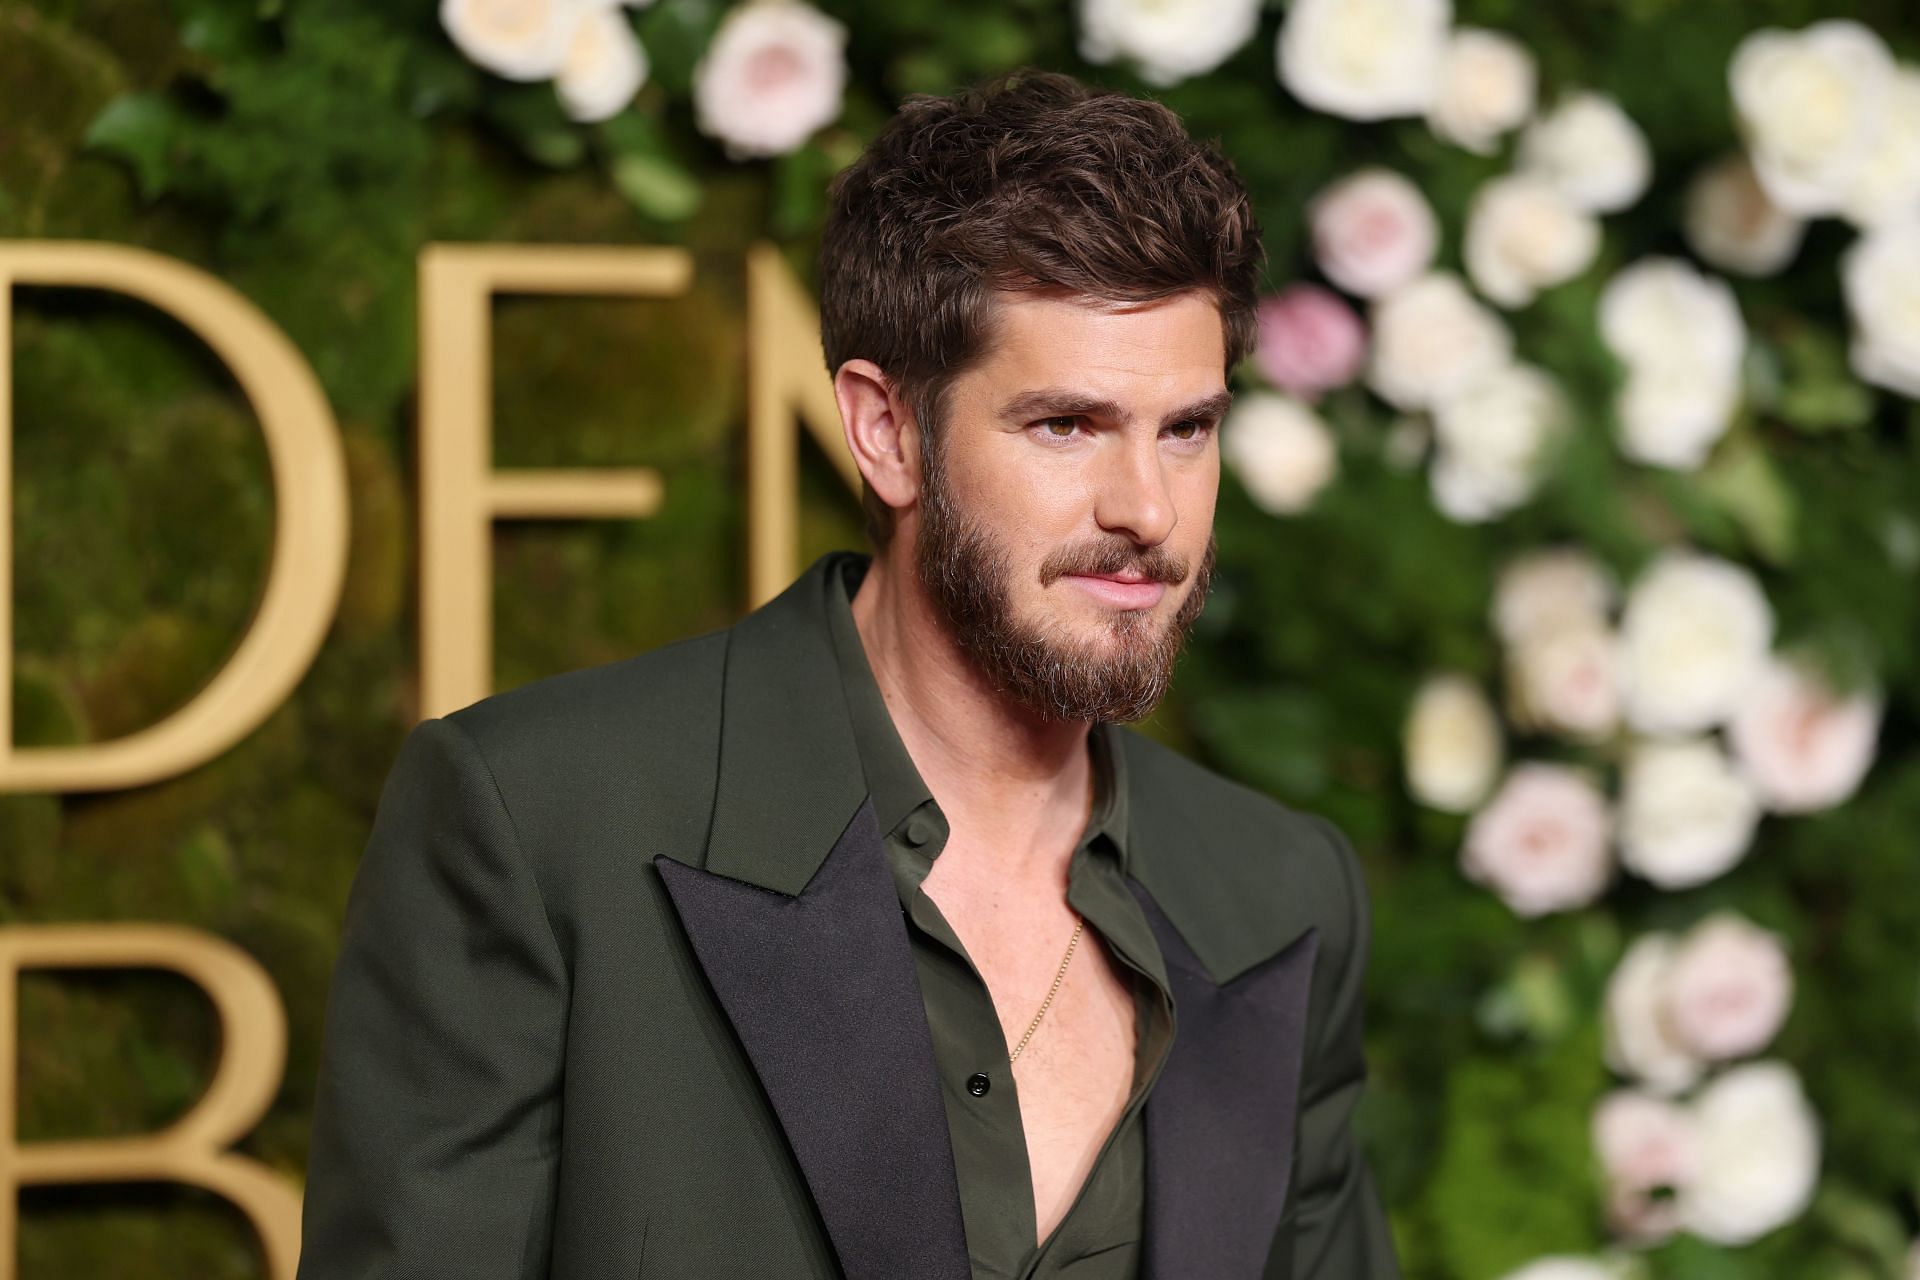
point(624, 991)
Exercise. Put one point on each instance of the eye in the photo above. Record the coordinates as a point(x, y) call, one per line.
point(1191, 429)
point(1061, 428)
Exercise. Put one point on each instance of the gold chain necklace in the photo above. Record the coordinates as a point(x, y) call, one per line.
point(1064, 962)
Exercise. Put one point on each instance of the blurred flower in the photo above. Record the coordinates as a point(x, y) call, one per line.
point(1802, 745)
point(1431, 340)
point(1452, 743)
point(1638, 1040)
point(1523, 236)
point(1695, 634)
point(1759, 1145)
point(1647, 1149)
point(1562, 1266)
point(1811, 104)
point(1486, 88)
point(1311, 341)
point(1728, 987)
point(1364, 59)
point(1568, 679)
point(1880, 273)
point(1887, 186)
point(1686, 814)
point(1541, 843)
point(1494, 440)
point(773, 75)
point(1541, 592)
point(1734, 225)
point(605, 65)
point(1590, 150)
point(1682, 339)
point(1168, 42)
point(1372, 232)
point(1281, 450)
point(518, 39)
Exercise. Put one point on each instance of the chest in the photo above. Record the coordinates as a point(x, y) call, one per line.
point(1076, 1071)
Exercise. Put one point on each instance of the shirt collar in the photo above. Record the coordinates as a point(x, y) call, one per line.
point(893, 782)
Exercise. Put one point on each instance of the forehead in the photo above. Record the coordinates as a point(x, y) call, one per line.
point(1177, 343)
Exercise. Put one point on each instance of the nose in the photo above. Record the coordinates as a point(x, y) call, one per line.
point(1133, 497)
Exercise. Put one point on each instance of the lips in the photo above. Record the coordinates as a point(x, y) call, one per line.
point(1120, 591)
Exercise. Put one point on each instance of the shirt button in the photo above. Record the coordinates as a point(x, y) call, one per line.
point(919, 830)
point(978, 1084)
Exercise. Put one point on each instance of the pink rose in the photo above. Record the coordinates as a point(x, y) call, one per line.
point(1373, 232)
point(1311, 341)
point(1541, 843)
point(1802, 746)
point(1728, 987)
point(1646, 1145)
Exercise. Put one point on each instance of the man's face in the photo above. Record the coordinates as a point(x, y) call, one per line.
point(1065, 522)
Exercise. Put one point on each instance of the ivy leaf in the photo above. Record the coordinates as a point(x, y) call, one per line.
point(657, 186)
point(141, 129)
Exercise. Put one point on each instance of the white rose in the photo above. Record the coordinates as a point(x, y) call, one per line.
point(1802, 745)
point(1591, 150)
point(1637, 1040)
point(1686, 814)
point(1759, 1154)
point(1432, 340)
point(1495, 439)
point(1646, 1145)
point(1540, 592)
point(1880, 273)
point(1373, 232)
point(1487, 83)
point(1671, 414)
point(1562, 1266)
point(1728, 988)
point(1661, 310)
point(1169, 42)
point(1887, 186)
point(1542, 842)
point(1734, 225)
point(1364, 59)
point(1695, 633)
point(1280, 449)
point(1452, 744)
point(1523, 236)
point(1811, 105)
point(518, 39)
point(605, 66)
point(1568, 679)
point(773, 75)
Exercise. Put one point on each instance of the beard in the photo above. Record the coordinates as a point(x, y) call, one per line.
point(968, 573)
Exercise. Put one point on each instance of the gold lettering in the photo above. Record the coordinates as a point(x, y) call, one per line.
point(461, 494)
point(785, 376)
point(194, 1149)
point(309, 557)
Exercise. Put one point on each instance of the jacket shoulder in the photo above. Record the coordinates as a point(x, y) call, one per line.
point(1252, 868)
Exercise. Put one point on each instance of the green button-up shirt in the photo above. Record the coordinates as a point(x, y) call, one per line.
point(1100, 1237)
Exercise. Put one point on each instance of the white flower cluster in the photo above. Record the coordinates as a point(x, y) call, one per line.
point(586, 47)
point(774, 73)
point(1831, 123)
point(1717, 729)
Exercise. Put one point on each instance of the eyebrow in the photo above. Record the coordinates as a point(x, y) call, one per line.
point(1051, 402)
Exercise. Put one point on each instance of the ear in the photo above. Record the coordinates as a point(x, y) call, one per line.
point(880, 432)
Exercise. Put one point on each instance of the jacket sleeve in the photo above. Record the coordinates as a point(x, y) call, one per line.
point(1335, 1227)
point(437, 1118)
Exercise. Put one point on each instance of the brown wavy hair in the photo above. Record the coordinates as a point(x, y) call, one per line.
point(1032, 181)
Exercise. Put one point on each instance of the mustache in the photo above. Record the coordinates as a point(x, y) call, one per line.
point(1155, 564)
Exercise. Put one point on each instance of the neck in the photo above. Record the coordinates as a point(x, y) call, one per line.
point(1016, 789)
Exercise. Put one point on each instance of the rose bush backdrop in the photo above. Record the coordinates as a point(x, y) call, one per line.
point(1570, 546)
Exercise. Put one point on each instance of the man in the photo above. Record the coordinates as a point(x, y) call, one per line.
point(857, 939)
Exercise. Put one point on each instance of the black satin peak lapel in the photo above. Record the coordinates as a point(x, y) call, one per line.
point(1221, 1117)
point(821, 990)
